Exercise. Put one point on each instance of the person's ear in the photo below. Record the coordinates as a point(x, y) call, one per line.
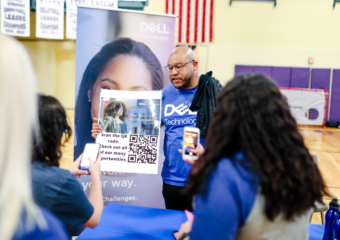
point(194, 64)
point(89, 94)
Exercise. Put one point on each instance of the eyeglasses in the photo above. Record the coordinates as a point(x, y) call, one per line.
point(177, 66)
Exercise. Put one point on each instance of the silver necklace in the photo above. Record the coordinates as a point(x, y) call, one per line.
point(183, 104)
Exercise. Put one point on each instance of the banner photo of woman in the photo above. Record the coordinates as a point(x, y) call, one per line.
point(126, 51)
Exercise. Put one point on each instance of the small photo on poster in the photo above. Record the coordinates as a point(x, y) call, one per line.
point(133, 116)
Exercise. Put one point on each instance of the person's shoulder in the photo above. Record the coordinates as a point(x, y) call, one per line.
point(226, 163)
point(234, 178)
point(225, 169)
point(43, 177)
point(168, 89)
point(209, 75)
point(235, 169)
point(50, 171)
point(53, 229)
point(72, 180)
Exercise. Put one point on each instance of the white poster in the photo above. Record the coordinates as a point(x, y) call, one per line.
point(111, 4)
point(50, 19)
point(71, 16)
point(15, 17)
point(129, 141)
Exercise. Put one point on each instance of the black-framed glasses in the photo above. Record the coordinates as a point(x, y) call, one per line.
point(177, 66)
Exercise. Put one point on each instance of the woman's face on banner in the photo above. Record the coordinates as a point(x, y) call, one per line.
point(120, 111)
point(123, 72)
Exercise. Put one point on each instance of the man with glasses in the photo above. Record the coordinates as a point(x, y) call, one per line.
point(188, 102)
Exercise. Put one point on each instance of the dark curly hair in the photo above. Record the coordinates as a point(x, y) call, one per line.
point(54, 131)
point(251, 116)
point(112, 108)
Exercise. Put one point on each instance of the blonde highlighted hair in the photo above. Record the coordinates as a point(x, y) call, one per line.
point(18, 116)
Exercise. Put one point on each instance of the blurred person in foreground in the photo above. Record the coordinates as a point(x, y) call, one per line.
point(256, 178)
point(20, 218)
point(58, 189)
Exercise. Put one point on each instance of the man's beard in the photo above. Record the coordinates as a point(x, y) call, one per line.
point(186, 83)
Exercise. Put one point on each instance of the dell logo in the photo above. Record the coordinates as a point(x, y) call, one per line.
point(171, 109)
point(153, 28)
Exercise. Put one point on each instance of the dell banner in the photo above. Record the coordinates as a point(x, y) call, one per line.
point(15, 17)
point(122, 50)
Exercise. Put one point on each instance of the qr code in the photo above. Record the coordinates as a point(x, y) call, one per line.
point(143, 149)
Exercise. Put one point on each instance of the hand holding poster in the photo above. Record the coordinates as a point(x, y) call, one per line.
point(129, 141)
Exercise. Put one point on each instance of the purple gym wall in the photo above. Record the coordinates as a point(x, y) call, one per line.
point(282, 75)
point(335, 98)
point(321, 78)
point(264, 70)
point(300, 78)
point(241, 69)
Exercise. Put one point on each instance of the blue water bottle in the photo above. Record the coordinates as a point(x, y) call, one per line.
point(330, 216)
point(336, 227)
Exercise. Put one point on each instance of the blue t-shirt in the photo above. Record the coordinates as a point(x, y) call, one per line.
point(175, 118)
point(55, 229)
point(59, 191)
point(227, 202)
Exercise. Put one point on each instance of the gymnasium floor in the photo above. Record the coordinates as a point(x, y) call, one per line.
point(323, 142)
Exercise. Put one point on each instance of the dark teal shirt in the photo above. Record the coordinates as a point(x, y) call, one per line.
point(59, 191)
